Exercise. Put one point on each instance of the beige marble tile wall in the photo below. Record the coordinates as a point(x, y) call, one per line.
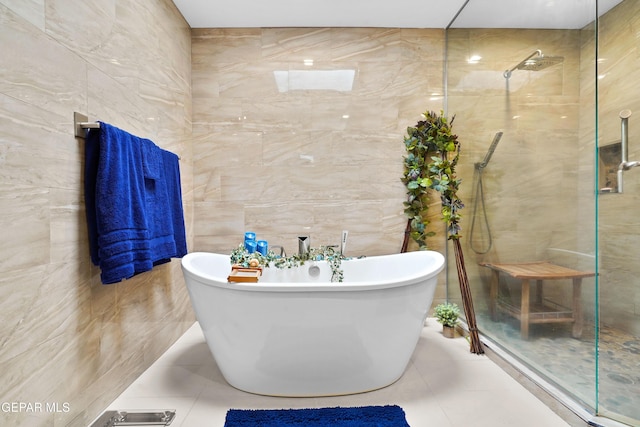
point(619, 71)
point(535, 178)
point(287, 161)
point(69, 345)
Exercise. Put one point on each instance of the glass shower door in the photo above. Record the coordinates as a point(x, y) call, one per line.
point(525, 106)
point(618, 220)
point(542, 183)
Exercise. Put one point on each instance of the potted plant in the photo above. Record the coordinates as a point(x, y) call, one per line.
point(447, 314)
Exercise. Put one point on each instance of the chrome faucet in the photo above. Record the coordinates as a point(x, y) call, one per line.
point(304, 245)
point(625, 166)
point(283, 254)
point(343, 242)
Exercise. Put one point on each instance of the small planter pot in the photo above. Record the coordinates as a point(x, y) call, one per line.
point(449, 331)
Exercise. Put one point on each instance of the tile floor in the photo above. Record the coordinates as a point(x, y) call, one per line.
point(570, 363)
point(444, 386)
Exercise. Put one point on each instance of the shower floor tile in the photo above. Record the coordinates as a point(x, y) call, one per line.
point(570, 363)
point(444, 385)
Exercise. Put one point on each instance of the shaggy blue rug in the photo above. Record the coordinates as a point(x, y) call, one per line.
point(366, 416)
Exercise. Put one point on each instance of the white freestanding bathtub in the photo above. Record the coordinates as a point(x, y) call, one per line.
point(292, 334)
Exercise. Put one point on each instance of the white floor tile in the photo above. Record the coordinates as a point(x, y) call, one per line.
point(444, 385)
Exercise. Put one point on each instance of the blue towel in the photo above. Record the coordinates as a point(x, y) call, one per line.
point(91, 159)
point(130, 211)
point(159, 213)
point(151, 159)
point(171, 164)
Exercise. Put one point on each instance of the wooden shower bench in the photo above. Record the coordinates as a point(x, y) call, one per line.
point(538, 310)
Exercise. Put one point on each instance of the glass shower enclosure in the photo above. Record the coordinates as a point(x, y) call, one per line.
point(545, 117)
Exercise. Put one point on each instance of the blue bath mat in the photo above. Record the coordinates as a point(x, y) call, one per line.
point(366, 416)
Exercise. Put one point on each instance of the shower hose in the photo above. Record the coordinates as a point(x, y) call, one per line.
point(479, 203)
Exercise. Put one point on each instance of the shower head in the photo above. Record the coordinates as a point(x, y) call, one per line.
point(535, 62)
point(483, 164)
point(540, 63)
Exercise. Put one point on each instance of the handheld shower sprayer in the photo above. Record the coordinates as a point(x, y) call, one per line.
point(483, 164)
point(343, 241)
point(479, 199)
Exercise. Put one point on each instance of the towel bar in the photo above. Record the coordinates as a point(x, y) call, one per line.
point(81, 124)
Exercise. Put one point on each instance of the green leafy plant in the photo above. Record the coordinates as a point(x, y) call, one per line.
point(447, 314)
point(242, 257)
point(432, 155)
